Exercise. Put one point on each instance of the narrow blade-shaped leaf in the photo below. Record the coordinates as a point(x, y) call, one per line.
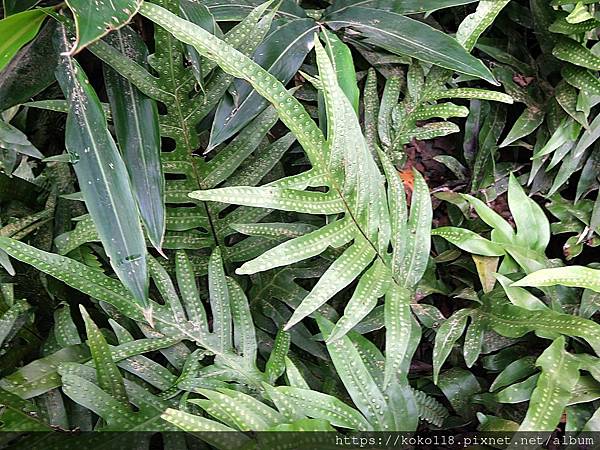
point(135, 117)
point(107, 372)
point(400, 34)
point(103, 178)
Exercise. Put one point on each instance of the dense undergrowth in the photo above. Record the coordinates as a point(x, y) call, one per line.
point(346, 215)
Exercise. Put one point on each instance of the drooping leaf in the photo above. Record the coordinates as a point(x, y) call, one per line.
point(103, 178)
point(135, 118)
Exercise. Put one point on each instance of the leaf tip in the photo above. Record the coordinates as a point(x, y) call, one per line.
point(148, 315)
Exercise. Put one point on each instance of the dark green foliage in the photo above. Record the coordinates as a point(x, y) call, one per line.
point(297, 216)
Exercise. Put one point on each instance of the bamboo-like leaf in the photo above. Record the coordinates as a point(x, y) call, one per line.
point(575, 276)
point(401, 34)
point(96, 19)
point(281, 54)
point(103, 179)
point(135, 118)
point(16, 31)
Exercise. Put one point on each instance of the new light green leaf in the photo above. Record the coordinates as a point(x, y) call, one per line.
point(16, 31)
point(469, 241)
point(533, 227)
point(526, 123)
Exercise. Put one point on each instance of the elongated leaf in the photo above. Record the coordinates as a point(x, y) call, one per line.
point(560, 372)
point(472, 93)
point(335, 234)
point(98, 18)
point(109, 377)
point(445, 338)
point(243, 327)
point(281, 54)
point(398, 325)
point(339, 275)
point(103, 179)
point(16, 31)
point(526, 124)
point(276, 363)
point(571, 51)
point(219, 301)
point(513, 321)
point(270, 197)
point(135, 118)
point(576, 276)
point(469, 241)
point(581, 78)
point(372, 285)
point(476, 23)
point(326, 407)
point(359, 383)
point(75, 274)
point(403, 35)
